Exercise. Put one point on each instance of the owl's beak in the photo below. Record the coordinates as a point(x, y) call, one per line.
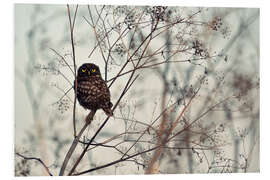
point(89, 73)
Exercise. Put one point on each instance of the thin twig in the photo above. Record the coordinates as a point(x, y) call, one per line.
point(37, 159)
point(62, 59)
point(71, 25)
point(114, 162)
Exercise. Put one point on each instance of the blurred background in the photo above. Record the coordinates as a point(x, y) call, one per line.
point(219, 44)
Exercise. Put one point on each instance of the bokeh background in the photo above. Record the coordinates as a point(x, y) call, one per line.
point(43, 120)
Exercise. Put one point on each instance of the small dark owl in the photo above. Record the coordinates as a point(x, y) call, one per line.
point(92, 91)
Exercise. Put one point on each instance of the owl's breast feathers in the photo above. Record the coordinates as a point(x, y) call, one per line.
point(93, 93)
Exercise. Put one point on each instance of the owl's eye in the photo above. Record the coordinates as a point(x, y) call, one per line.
point(93, 70)
point(83, 70)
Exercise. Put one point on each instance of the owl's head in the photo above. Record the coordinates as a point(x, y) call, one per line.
point(88, 69)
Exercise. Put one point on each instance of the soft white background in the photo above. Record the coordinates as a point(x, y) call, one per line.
point(7, 77)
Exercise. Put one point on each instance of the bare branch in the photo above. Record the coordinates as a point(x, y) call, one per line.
point(37, 159)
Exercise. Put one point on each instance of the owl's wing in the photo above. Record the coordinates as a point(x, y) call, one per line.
point(103, 89)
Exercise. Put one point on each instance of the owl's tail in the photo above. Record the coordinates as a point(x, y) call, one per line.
point(108, 110)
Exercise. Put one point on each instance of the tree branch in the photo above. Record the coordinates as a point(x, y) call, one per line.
point(37, 159)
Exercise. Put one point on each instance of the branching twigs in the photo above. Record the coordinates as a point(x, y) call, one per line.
point(121, 37)
point(202, 115)
point(132, 156)
point(131, 40)
point(150, 60)
point(58, 72)
point(37, 159)
point(143, 133)
point(127, 86)
point(168, 139)
point(122, 159)
point(164, 140)
point(144, 41)
point(123, 67)
point(95, 31)
point(165, 110)
point(65, 94)
point(114, 162)
point(168, 109)
point(63, 59)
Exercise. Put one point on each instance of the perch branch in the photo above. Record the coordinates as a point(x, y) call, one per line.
point(75, 142)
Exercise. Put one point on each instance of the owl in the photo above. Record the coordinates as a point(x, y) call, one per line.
point(92, 91)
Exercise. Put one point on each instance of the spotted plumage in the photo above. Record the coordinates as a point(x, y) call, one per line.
point(92, 91)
